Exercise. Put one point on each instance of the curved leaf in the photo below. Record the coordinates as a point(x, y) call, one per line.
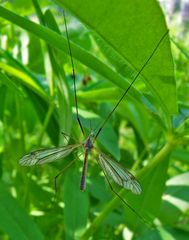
point(133, 34)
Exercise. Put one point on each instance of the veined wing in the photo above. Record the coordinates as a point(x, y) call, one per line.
point(119, 174)
point(47, 155)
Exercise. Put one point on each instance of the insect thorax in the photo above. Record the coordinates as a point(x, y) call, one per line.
point(88, 144)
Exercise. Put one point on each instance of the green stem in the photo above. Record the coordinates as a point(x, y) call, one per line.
point(47, 119)
point(138, 162)
point(20, 123)
point(157, 159)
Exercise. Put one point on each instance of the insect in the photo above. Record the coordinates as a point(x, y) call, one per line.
point(110, 168)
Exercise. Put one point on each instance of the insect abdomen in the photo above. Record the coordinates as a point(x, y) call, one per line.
point(83, 174)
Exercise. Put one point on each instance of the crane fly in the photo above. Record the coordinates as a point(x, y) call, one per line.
point(110, 168)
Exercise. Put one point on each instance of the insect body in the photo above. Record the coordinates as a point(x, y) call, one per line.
point(88, 145)
point(111, 168)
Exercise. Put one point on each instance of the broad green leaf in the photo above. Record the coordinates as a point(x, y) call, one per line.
point(133, 34)
point(14, 220)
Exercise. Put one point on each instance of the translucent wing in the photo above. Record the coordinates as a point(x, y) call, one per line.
point(119, 174)
point(47, 155)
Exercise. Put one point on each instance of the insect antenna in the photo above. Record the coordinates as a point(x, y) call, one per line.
point(73, 75)
point(137, 75)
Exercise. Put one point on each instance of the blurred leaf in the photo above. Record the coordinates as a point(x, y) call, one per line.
point(41, 108)
point(176, 198)
point(179, 180)
point(169, 213)
point(24, 79)
point(76, 205)
point(35, 64)
point(148, 203)
point(98, 188)
point(9, 83)
point(63, 92)
point(14, 220)
point(180, 155)
point(182, 116)
point(79, 53)
point(165, 234)
point(177, 234)
point(180, 47)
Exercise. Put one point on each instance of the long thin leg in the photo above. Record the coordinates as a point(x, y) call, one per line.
point(73, 74)
point(55, 180)
point(66, 136)
point(131, 208)
point(61, 172)
point(110, 114)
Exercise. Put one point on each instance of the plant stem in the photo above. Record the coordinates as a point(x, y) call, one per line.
point(46, 121)
point(157, 159)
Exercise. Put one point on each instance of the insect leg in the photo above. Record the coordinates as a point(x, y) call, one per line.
point(131, 208)
point(61, 172)
point(66, 136)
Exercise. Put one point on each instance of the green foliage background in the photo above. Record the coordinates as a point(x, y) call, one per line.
point(110, 40)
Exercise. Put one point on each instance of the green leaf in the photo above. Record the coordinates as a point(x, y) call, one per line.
point(176, 199)
point(63, 92)
point(9, 83)
point(79, 53)
point(180, 155)
point(133, 33)
point(149, 202)
point(76, 205)
point(14, 221)
point(25, 79)
point(165, 234)
point(41, 108)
